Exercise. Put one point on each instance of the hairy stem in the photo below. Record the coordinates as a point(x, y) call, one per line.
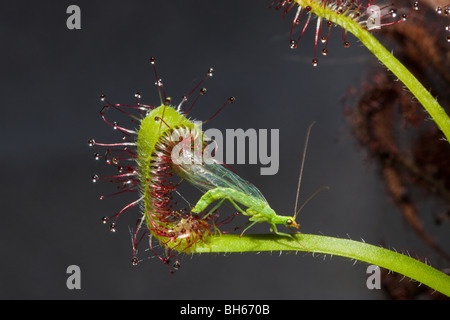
point(431, 105)
point(361, 251)
point(436, 112)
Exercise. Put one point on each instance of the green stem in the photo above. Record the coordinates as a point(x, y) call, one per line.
point(423, 95)
point(361, 251)
point(436, 112)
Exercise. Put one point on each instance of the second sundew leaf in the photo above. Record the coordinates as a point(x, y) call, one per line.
point(359, 19)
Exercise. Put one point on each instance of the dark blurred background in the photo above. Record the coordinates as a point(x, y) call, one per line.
point(51, 78)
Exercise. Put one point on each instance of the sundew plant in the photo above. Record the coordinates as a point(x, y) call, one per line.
point(166, 148)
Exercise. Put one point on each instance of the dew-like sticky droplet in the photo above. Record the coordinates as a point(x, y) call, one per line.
point(231, 99)
point(94, 178)
point(210, 72)
point(152, 60)
point(202, 91)
point(104, 220)
point(112, 227)
point(176, 265)
point(324, 52)
point(346, 44)
point(293, 44)
point(315, 62)
point(91, 142)
point(134, 261)
point(416, 5)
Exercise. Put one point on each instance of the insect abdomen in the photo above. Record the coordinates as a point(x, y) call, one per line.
point(218, 194)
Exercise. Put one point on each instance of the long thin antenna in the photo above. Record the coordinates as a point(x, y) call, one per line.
point(301, 169)
point(309, 198)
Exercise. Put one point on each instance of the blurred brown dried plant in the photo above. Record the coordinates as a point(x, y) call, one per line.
point(392, 127)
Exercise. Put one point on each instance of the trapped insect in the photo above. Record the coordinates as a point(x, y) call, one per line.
point(222, 185)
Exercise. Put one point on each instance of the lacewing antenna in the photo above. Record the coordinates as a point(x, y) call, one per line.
point(301, 168)
point(309, 198)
